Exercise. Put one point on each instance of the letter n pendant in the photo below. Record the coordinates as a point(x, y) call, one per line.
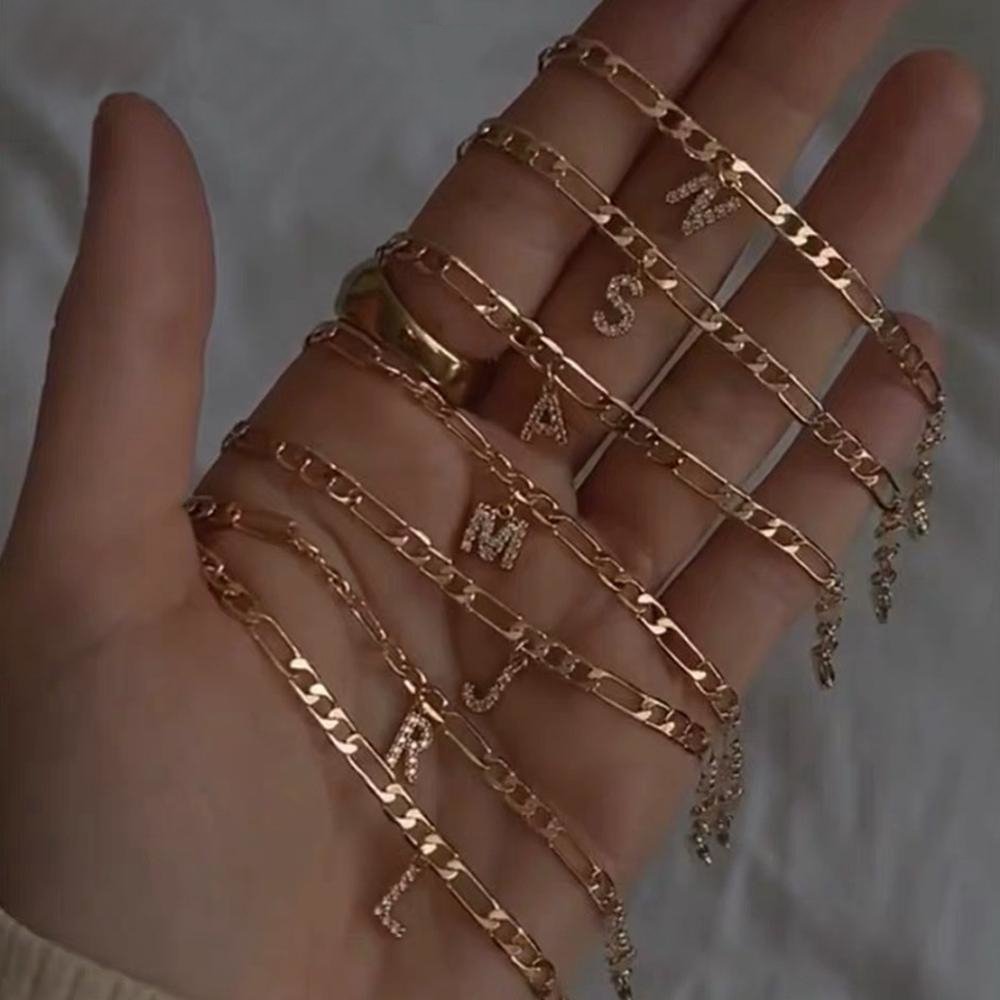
point(495, 532)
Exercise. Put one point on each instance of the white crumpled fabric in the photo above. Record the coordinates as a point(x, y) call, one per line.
point(867, 864)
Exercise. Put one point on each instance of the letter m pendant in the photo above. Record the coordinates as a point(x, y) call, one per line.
point(706, 208)
point(495, 532)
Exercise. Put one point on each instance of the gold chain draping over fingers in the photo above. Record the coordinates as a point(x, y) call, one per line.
point(705, 313)
point(433, 707)
point(380, 780)
point(735, 174)
point(528, 339)
point(358, 347)
point(414, 545)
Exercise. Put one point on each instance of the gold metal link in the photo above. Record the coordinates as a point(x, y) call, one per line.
point(545, 355)
point(707, 315)
point(737, 175)
point(361, 349)
point(540, 817)
point(365, 761)
point(414, 545)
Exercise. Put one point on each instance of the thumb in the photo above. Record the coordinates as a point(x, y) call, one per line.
point(115, 435)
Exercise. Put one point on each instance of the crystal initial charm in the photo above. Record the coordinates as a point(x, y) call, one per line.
point(829, 617)
point(481, 703)
point(384, 909)
point(413, 737)
point(546, 416)
point(702, 213)
point(620, 283)
point(494, 532)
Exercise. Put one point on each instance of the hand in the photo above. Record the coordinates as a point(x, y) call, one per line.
point(166, 808)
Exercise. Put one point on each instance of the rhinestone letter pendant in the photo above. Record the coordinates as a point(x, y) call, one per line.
point(494, 532)
point(617, 286)
point(384, 909)
point(413, 737)
point(703, 213)
point(546, 416)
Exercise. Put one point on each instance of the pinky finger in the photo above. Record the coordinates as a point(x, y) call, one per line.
point(748, 588)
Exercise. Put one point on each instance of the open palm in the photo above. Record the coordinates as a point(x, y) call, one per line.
point(165, 807)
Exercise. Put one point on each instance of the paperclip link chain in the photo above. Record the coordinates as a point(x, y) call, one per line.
point(713, 812)
point(737, 175)
point(696, 305)
point(546, 356)
point(540, 817)
point(380, 780)
point(415, 546)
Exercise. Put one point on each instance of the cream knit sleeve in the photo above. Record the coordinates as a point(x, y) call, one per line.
point(33, 969)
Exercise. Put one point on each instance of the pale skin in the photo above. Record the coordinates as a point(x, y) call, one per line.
point(165, 806)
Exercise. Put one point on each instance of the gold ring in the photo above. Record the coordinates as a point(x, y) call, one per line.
point(366, 297)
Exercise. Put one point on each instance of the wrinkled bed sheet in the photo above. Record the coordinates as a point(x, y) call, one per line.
point(868, 857)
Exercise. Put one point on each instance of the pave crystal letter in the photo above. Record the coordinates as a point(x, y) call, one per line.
point(494, 531)
point(413, 737)
point(702, 213)
point(546, 416)
point(384, 909)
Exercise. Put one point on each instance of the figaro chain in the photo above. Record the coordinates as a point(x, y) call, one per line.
point(737, 175)
point(359, 348)
point(416, 547)
point(546, 356)
point(540, 817)
point(711, 320)
point(380, 780)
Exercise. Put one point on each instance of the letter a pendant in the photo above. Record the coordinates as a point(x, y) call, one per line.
point(413, 737)
point(546, 416)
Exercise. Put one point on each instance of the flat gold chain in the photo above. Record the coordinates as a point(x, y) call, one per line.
point(378, 777)
point(357, 346)
point(415, 546)
point(540, 817)
point(546, 356)
point(716, 802)
point(737, 175)
point(707, 315)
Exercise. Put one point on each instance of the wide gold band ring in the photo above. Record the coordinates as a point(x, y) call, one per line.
point(367, 298)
